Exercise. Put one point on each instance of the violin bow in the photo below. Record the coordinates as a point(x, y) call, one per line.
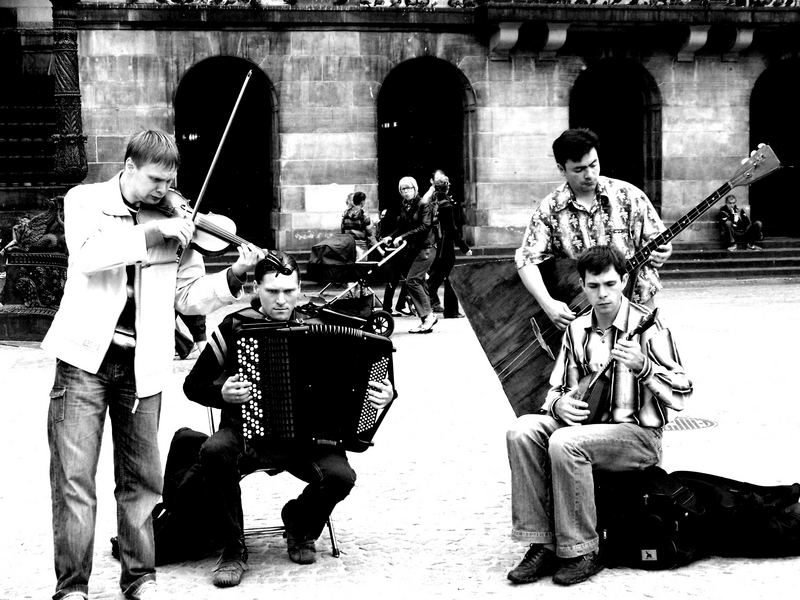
point(221, 142)
point(202, 193)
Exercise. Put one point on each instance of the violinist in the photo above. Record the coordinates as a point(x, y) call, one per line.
point(112, 338)
point(553, 454)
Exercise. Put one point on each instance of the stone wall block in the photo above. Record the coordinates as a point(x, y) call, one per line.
point(496, 170)
point(329, 146)
point(353, 68)
point(320, 172)
point(365, 96)
point(701, 143)
point(707, 118)
point(497, 236)
point(111, 148)
point(318, 220)
point(293, 198)
point(102, 171)
point(91, 148)
point(475, 68)
point(118, 42)
point(302, 68)
point(507, 194)
point(333, 43)
point(516, 120)
point(261, 44)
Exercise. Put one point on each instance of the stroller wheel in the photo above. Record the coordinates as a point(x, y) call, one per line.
point(381, 323)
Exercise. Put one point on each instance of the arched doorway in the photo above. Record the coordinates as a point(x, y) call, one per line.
point(241, 184)
point(774, 121)
point(423, 124)
point(619, 101)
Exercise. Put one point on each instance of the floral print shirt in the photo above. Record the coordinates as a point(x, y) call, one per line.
point(621, 215)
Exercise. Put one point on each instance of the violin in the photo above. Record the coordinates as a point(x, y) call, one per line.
point(593, 388)
point(213, 234)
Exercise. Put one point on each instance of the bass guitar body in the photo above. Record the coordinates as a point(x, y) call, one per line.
point(505, 318)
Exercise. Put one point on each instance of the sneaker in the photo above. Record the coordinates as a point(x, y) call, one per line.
point(426, 326)
point(538, 561)
point(455, 316)
point(732, 248)
point(147, 591)
point(580, 568)
point(230, 567)
point(437, 308)
point(753, 247)
point(75, 596)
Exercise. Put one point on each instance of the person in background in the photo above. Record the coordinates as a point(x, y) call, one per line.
point(736, 227)
point(449, 235)
point(415, 226)
point(357, 223)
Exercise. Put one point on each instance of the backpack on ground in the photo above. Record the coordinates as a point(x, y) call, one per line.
point(183, 523)
point(646, 519)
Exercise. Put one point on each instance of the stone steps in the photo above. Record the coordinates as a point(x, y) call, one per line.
point(692, 260)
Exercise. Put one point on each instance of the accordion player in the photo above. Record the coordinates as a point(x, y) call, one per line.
point(309, 383)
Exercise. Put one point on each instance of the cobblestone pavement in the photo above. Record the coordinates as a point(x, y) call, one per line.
point(430, 515)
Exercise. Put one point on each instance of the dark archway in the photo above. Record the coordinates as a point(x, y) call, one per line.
point(241, 185)
point(424, 108)
point(618, 100)
point(773, 122)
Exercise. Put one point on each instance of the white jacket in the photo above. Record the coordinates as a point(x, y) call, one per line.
point(102, 239)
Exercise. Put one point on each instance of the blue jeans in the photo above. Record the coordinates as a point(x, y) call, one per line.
point(78, 404)
point(552, 486)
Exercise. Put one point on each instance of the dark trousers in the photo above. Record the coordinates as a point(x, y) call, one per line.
point(224, 461)
point(439, 274)
point(751, 235)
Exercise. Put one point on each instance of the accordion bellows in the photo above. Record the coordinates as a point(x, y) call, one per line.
point(310, 383)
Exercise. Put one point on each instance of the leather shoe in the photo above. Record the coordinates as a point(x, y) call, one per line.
point(455, 316)
point(580, 568)
point(301, 548)
point(437, 308)
point(230, 567)
point(538, 561)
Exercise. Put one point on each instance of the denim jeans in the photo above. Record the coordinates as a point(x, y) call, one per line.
point(224, 460)
point(552, 486)
point(78, 404)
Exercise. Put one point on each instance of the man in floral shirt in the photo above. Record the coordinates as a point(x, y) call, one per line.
point(588, 210)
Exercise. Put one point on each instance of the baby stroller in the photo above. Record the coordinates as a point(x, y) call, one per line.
point(333, 261)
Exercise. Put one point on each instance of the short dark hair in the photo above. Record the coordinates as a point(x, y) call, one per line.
point(597, 259)
point(574, 144)
point(359, 197)
point(266, 266)
point(153, 147)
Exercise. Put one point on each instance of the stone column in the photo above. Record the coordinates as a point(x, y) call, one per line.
point(70, 152)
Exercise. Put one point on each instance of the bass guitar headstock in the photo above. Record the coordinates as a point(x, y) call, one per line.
point(760, 163)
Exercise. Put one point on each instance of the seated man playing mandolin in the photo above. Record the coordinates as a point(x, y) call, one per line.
point(588, 210)
point(225, 455)
point(553, 454)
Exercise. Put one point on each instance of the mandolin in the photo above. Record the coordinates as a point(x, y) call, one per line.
point(594, 388)
point(512, 328)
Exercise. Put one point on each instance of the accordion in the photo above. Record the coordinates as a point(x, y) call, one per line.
point(309, 383)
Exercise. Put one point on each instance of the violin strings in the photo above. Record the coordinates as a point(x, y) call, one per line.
point(215, 229)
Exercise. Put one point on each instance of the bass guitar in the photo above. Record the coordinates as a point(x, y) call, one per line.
point(513, 330)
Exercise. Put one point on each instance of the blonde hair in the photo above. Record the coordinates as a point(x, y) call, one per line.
point(406, 181)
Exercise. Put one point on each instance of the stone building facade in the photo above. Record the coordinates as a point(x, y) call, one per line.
point(351, 97)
